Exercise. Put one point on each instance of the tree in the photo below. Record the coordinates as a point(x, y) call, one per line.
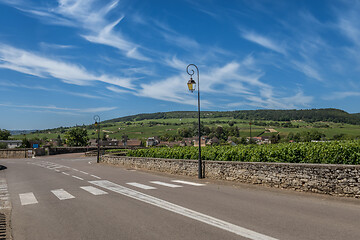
point(4, 134)
point(25, 143)
point(59, 140)
point(76, 137)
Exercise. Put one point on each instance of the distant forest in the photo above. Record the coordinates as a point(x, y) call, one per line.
point(308, 115)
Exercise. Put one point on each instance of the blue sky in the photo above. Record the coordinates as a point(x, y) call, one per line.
point(62, 62)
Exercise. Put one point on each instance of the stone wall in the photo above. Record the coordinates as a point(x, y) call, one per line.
point(13, 153)
point(340, 180)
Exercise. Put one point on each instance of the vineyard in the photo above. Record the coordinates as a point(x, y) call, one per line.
point(336, 152)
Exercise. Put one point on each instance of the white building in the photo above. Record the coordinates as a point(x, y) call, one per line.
point(12, 143)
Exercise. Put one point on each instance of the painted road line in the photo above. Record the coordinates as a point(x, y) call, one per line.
point(77, 177)
point(94, 190)
point(142, 186)
point(84, 172)
point(57, 170)
point(166, 184)
point(95, 176)
point(62, 194)
point(188, 183)
point(27, 198)
point(75, 169)
point(182, 210)
point(65, 173)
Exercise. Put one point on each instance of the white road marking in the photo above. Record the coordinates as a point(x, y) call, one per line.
point(27, 198)
point(5, 202)
point(77, 177)
point(83, 172)
point(57, 170)
point(57, 167)
point(165, 184)
point(182, 211)
point(94, 190)
point(95, 176)
point(139, 185)
point(75, 169)
point(62, 194)
point(65, 173)
point(188, 183)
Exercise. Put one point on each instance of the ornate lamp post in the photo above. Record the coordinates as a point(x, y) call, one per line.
point(192, 85)
point(97, 124)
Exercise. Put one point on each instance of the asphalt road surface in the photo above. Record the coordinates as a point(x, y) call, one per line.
point(71, 197)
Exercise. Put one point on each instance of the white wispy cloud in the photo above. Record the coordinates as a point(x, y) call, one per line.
point(117, 90)
point(308, 69)
point(234, 79)
point(181, 41)
point(299, 100)
point(34, 64)
point(55, 46)
point(264, 42)
point(90, 17)
point(341, 95)
point(176, 63)
point(55, 108)
point(49, 89)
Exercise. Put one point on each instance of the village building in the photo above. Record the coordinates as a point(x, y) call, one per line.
point(12, 143)
point(152, 141)
point(110, 143)
point(133, 143)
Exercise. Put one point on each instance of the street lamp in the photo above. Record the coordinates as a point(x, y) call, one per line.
point(97, 124)
point(192, 86)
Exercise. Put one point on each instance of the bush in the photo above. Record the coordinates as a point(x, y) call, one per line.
point(337, 152)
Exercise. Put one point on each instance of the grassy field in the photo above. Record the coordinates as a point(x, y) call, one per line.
point(158, 127)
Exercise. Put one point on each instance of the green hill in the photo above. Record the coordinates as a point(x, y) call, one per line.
point(308, 115)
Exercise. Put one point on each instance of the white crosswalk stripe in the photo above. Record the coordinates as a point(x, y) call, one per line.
point(95, 176)
point(188, 183)
point(27, 198)
point(94, 190)
point(62, 194)
point(241, 231)
point(166, 184)
point(5, 202)
point(142, 186)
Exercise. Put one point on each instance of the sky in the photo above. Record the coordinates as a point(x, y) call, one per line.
point(64, 61)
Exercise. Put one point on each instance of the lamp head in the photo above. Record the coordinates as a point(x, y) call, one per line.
point(191, 85)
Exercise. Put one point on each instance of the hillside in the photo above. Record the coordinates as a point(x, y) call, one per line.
point(308, 115)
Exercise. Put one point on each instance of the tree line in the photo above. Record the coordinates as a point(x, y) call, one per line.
point(308, 115)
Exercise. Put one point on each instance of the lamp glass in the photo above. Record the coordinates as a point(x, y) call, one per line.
point(191, 85)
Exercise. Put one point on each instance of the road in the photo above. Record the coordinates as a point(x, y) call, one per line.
point(71, 197)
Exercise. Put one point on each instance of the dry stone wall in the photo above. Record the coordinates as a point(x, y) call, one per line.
point(340, 180)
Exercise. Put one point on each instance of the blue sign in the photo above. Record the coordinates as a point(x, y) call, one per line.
point(35, 145)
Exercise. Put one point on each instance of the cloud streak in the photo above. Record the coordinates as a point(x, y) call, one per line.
point(55, 108)
point(90, 17)
point(264, 42)
point(30, 63)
